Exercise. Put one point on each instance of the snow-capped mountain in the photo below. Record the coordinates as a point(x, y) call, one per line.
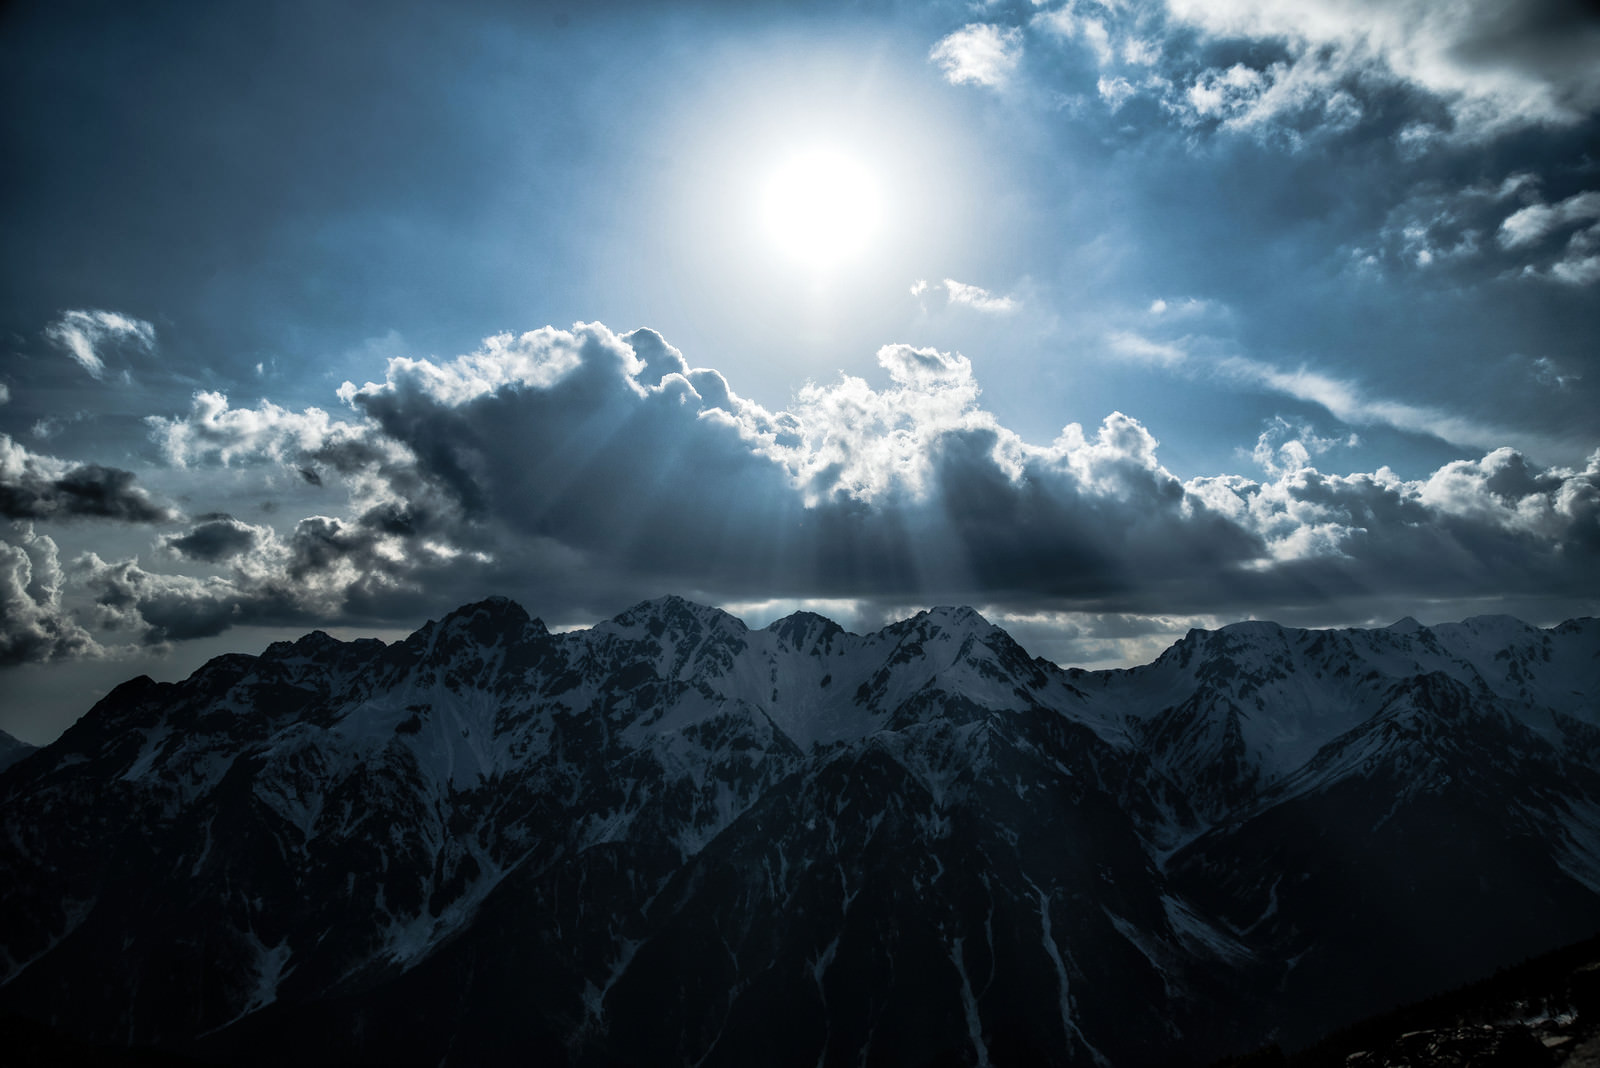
point(671, 838)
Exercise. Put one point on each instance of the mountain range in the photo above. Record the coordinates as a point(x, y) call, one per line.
point(674, 839)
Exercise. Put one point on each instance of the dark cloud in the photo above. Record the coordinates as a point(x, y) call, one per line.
point(165, 608)
point(218, 538)
point(33, 486)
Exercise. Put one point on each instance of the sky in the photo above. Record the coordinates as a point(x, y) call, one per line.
point(1110, 318)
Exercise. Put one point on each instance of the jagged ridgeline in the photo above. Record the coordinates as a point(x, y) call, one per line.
point(674, 840)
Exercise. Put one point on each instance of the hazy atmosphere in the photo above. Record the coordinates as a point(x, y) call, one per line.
point(1109, 319)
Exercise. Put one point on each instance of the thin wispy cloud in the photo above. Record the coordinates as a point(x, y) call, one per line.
point(969, 296)
point(1127, 345)
point(83, 335)
point(1346, 402)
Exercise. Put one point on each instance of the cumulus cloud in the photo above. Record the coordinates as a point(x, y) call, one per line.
point(979, 53)
point(33, 625)
point(1287, 447)
point(581, 469)
point(216, 538)
point(34, 486)
point(214, 430)
point(82, 335)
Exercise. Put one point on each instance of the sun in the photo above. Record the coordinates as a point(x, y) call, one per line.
point(822, 208)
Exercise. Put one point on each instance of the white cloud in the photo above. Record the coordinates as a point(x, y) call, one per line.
point(1287, 447)
point(213, 430)
point(1115, 91)
point(979, 53)
point(82, 334)
point(979, 299)
point(1131, 346)
point(1184, 308)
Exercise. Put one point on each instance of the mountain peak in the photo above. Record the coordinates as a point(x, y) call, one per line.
point(489, 620)
point(963, 615)
point(495, 606)
point(804, 629)
point(955, 619)
point(672, 612)
point(13, 749)
point(1405, 625)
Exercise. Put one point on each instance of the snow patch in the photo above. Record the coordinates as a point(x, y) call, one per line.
point(969, 1003)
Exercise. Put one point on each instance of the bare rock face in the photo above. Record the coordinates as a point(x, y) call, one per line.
point(674, 839)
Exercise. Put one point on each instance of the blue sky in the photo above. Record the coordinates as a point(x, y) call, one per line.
point(1143, 316)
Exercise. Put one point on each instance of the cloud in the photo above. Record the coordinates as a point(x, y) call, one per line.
point(1287, 447)
point(581, 469)
point(1497, 66)
point(1547, 373)
point(979, 299)
point(1069, 24)
point(967, 296)
point(1475, 226)
point(1346, 402)
point(1536, 221)
point(979, 54)
point(1130, 346)
point(83, 334)
point(213, 430)
point(34, 486)
point(216, 538)
point(1579, 262)
point(1289, 71)
point(33, 626)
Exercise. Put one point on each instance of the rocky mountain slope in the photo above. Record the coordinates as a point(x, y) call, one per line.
point(12, 750)
point(671, 838)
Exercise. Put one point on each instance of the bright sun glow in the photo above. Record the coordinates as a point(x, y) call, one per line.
point(822, 208)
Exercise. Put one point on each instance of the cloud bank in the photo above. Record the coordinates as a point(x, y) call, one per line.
point(582, 468)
